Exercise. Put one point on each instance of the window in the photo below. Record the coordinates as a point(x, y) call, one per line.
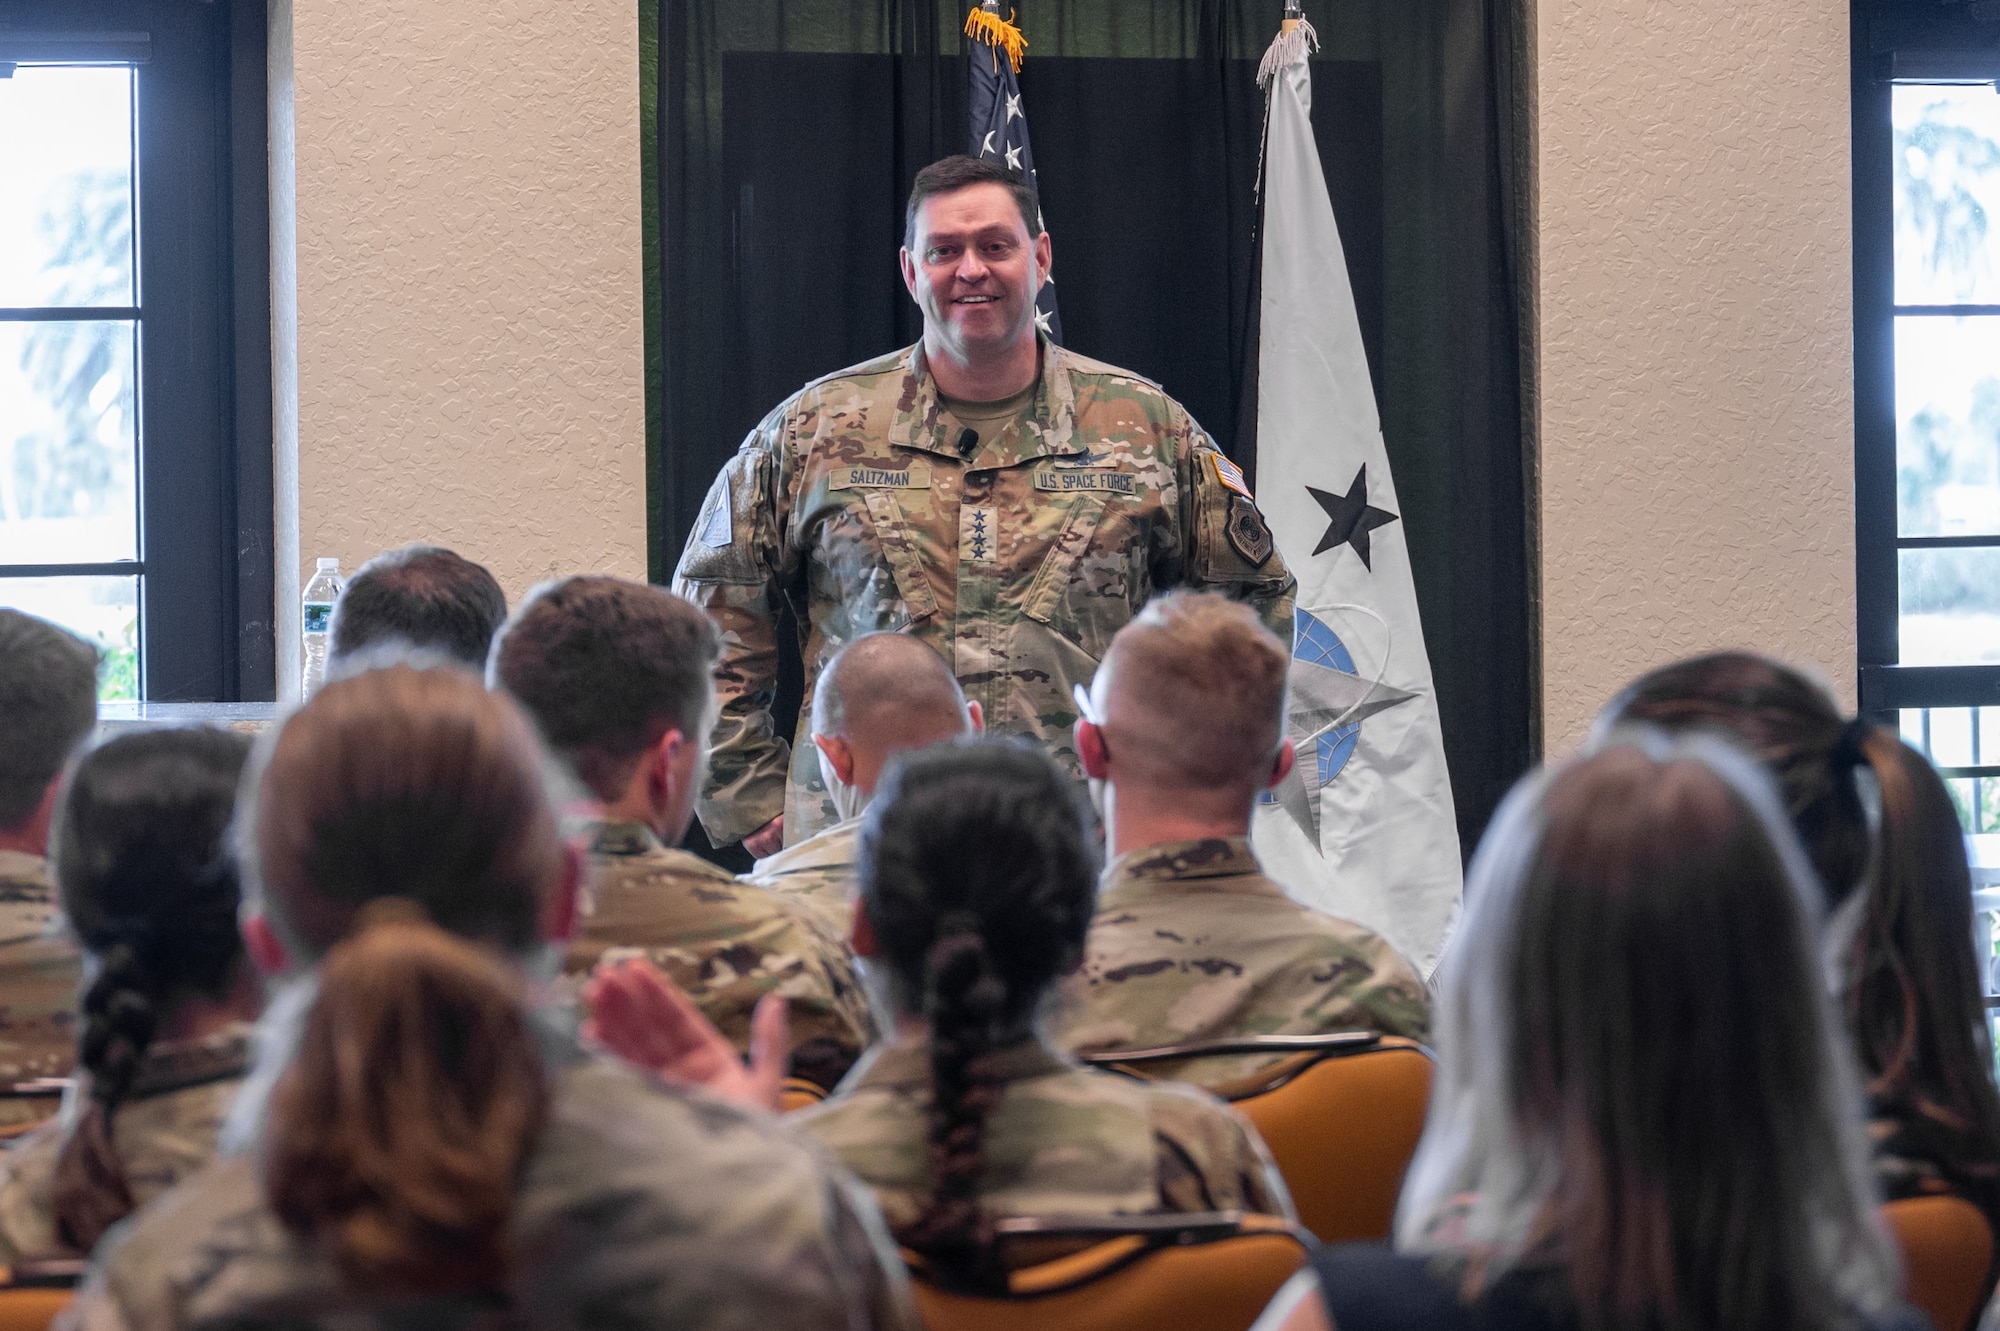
point(1927, 401)
point(135, 501)
point(69, 354)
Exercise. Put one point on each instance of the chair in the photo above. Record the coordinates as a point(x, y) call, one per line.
point(1341, 1112)
point(26, 1105)
point(798, 1093)
point(1947, 1248)
point(33, 1293)
point(1205, 1272)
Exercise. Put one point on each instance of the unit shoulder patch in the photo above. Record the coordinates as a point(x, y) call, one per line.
point(1247, 532)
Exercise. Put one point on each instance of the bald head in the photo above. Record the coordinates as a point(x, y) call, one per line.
point(1192, 692)
point(882, 694)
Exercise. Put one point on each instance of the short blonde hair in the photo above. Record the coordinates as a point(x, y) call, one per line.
point(1204, 688)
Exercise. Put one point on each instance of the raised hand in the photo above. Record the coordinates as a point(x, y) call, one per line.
point(643, 1017)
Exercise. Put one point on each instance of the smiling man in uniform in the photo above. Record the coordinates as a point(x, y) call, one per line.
point(1008, 502)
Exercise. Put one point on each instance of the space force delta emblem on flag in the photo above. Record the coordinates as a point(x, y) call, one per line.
point(1000, 126)
point(1364, 825)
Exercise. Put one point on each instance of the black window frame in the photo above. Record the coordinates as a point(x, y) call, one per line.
point(204, 466)
point(1899, 42)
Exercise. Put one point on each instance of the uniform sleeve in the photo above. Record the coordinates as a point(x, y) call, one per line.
point(1229, 545)
point(733, 567)
point(1210, 1158)
point(883, 1283)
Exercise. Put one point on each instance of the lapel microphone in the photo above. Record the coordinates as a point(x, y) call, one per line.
point(967, 441)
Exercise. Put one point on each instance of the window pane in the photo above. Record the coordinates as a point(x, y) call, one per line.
point(104, 610)
point(1953, 736)
point(1948, 426)
point(1947, 194)
point(66, 208)
point(1950, 606)
point(68, 442)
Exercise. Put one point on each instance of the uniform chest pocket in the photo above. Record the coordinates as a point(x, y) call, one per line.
point(1094, 575)
point(870, 560)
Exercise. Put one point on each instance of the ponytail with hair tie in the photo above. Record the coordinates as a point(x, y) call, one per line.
point(1849, 747)
point(396, 1138)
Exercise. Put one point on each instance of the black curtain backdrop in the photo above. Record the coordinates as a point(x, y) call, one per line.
point(787, 134)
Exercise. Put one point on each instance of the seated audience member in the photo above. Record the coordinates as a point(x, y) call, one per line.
point(420, 1145)
point(1895, 878)
point(881, 694)
point(1191, 940)
point(977, 874)
point(618, 675)
point(48, 706)
point(418, 596)
point(148, 883)
point(1644, 1116)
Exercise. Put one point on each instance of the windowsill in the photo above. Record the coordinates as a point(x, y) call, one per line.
point(117, 718)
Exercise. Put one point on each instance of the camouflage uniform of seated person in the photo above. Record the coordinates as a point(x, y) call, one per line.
point(48, 706)
point(617, 676)
point(149, 884)
point(1191, 941)
point(976, 886)
point(880, 695)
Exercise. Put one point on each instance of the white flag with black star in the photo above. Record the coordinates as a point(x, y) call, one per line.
point(999, 126)
point(1364, 827)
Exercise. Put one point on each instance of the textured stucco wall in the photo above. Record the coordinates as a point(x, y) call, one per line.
point(470, 363)
point(1695, 321)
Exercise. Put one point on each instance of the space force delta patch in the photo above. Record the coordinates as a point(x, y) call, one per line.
point(1067, 479)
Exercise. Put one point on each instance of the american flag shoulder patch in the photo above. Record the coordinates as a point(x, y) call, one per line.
point(1231, 475)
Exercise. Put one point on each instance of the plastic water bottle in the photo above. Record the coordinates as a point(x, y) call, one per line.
point(315, 618)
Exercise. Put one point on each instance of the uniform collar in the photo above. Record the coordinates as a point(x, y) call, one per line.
point(608, 838)
point(1048, 430)
point(1188, 865)
point(904, 1064)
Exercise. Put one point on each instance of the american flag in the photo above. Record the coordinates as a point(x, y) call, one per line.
point(1000, 132)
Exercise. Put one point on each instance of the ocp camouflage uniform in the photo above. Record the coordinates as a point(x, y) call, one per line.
point(41, 970)
point(1192, 942)
point(1062, 1141)
point(1017, 565)
point(163, 1131)
point(726, 942)
point(640, 1206)
point(819, 875)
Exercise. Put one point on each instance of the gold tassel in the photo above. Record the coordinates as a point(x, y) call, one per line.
point(998, 33)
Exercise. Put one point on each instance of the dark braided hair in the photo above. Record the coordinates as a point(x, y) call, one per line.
point(146, 877)
point(978, 877)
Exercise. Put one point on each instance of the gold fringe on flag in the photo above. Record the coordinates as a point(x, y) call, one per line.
point(986, 25)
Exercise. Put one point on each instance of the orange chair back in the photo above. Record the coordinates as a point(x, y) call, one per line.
point(1947, 1248)
point(798, 1093)
point(1343, 1131)
point(1220, 1285)
point(31, 1307)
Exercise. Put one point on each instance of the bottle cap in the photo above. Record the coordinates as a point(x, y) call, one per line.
point(326, 564)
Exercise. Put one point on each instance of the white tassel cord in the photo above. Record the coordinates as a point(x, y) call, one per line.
point(1296, 42)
